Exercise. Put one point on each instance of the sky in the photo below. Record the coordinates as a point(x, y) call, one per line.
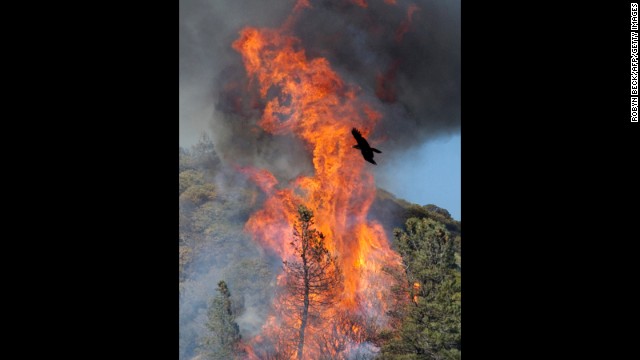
point(428, 174)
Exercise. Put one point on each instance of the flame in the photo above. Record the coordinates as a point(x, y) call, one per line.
point(406, 24)
point(385, 83)
point(361, 3)
point(312, 102)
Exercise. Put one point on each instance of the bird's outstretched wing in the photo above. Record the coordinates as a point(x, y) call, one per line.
point(363, 146)
point(362, 143)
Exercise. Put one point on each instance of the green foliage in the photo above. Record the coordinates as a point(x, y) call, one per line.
point(185, 256)
point(435, 213)
point(252, 276)
point(198, 194)
point(213, 208)
point(204, 152)
point(254, 285)
point(438, 210)
point(185, 161)
point(209, 218)
point(393, 212)
point(190, 178)
point(223, 341)
point(431, 321)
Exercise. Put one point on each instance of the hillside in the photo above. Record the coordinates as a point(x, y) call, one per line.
point(215, 203)
point(393, 212)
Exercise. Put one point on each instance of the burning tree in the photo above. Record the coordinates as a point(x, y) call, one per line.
point(305, 97)
point(313, 279)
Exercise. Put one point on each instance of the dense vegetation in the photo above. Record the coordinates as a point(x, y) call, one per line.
point(430, 327)
point(214, 204)
point(224, 333)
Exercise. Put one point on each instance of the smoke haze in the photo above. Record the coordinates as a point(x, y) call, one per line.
point(404, 58)
point(407, 66)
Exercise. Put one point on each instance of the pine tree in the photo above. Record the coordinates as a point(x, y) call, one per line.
point(313, 278)
point(225, 334)
point(431, 326)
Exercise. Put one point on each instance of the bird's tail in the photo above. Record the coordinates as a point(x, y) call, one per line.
point(376, 150)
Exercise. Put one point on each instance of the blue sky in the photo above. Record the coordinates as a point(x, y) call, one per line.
point(428, 174)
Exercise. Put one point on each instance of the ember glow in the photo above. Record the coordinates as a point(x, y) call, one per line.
point(406, 24)
point(361, 3)
point(307, 98)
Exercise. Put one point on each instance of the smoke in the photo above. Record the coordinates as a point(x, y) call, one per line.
point(250, 279)
point(206, 30)
point(405, 58)
point(363, 351)
point(215, 203)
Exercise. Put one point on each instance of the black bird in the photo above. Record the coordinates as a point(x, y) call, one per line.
point(363, 146)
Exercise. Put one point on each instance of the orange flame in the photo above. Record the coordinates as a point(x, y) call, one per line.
point(416, 288)
point(315, 104)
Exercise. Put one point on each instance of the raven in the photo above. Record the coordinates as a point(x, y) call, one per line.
point(363, 146)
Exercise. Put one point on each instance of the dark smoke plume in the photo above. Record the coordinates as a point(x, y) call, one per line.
point(404, 57)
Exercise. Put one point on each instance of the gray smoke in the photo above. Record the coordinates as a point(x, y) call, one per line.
point(249, 277)
point(420, 93)
point(363, 351)
point(415, 81)
point(206, 30)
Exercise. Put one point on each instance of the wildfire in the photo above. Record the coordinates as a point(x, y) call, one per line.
point(416, 288)
point(312, 102)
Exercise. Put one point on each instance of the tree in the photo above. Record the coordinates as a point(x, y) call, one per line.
point(431, 326)
point(313, 277)
point(204, 153)
point(225, 333)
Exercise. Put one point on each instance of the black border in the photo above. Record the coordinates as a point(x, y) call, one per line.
point(547, 156)
point(547, 146)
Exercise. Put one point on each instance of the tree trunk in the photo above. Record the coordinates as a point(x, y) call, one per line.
point(303, 325)
point(305, 308)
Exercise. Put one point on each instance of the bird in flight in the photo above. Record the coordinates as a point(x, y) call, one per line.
point(363, 146)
